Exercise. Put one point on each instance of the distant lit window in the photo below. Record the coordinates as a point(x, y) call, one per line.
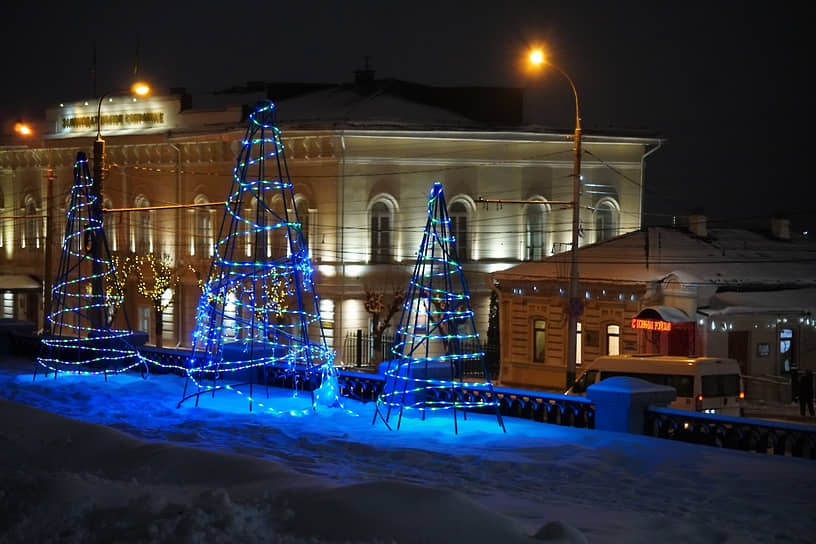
point(142, 227)
point(613, 339)
point(535, 233)
point(303, 216)
point(382, 219)
point(606, 221)
point(459, 219)
point(31, 237)
point(578, 344)
point(202, 228)
point(539, 340)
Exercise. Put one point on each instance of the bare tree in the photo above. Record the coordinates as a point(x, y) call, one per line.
point(381, 315)
point(156, 277)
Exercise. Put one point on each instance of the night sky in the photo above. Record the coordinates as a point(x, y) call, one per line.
point(723, 82)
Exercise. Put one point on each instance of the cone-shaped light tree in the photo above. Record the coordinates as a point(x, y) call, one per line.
point(258, 312)
point(79, 337)
point(436, 343)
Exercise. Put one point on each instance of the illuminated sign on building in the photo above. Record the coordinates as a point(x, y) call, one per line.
point(117, 120)
point(120, 115)
point(650, 324)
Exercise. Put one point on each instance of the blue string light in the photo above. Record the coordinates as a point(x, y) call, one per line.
point(254, 312)
point(436, 336)
point(78, 337)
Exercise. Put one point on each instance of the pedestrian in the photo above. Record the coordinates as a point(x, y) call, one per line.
point(806, 392)
point(794, 385)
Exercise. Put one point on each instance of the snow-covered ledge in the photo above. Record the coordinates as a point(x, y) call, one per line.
point(620, 402)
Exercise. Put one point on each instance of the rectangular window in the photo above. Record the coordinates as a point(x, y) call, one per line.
point(613, 340)
point(721, 385)
point(539, 340)
point(578, 344)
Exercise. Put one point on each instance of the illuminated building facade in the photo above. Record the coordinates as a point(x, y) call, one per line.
point(362, 158)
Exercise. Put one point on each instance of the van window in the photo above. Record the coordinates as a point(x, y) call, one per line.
point(683, 384)
point(721, 385)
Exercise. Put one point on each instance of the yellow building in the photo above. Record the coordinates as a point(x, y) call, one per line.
point(362, 158)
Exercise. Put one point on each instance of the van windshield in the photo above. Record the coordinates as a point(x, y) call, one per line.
point(586, 379)
point(721, 385)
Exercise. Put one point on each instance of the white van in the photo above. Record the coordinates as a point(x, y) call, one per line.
point(703, 384)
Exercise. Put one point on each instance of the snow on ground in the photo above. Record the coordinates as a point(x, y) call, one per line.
point(85, 460)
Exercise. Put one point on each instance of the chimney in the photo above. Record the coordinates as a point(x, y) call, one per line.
point(364, 79)
point(780, 228)
point(697, 225)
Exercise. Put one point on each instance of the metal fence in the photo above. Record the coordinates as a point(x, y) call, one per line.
point(359, 349)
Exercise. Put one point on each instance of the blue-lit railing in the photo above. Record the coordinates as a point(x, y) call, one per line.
point(739, 433)
point(747, 434)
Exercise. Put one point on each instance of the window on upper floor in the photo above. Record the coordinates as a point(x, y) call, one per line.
point(459, 225)
point(202, 228)
point(382, 219)
point(31, 235)
point(109, 225)
point(606, 220)
point(142, 227)
point(535, 233)
point(303, 216)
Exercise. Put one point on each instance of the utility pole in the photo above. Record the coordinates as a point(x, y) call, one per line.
point(49, 242)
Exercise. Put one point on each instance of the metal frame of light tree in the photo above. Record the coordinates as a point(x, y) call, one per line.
point(436, 335)
point(77, 337)
point(254, 313)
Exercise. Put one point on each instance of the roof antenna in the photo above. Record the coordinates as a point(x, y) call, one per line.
point(364, 77)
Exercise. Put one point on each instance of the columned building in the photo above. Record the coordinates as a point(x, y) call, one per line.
point(362, 158)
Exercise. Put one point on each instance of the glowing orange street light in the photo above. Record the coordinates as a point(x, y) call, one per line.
point(23, 129)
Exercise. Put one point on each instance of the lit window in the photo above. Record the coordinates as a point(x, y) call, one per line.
point(459, 219)
point(142, 227)
point(534, 231)
point(613, 339)
point(578, 344)
point(606, 221)
point(31, 239)
point(202, 229)
point(539, 340)
point(381, 227)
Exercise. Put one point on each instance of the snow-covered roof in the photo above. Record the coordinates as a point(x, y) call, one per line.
point(730, 259)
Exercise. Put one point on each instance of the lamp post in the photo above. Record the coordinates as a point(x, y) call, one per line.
point(96, 190)
point(575, 302)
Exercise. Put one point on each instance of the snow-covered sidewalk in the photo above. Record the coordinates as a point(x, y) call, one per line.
point(138, 469)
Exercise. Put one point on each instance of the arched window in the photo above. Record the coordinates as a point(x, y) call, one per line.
point(382, 250)
point(606, 220)
point(31, 235)
point(277, 242)
point(304, 216)
point(536, 237)
point(109, 226)
point(142, 228)
point(459, 223)
point(202, 228)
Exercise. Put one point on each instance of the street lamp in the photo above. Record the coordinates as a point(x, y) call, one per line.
point(537, 58)
point(96, 190)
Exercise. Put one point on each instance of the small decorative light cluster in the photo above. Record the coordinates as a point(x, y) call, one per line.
point(78, 337)
point(436, 342)
point(258, 307)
